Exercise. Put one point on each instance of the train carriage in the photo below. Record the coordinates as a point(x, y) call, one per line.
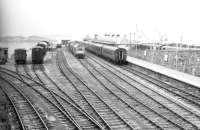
point(37, 55)
point(20, 56)
point(3, 55)
point(117, 55)
point(94, 48)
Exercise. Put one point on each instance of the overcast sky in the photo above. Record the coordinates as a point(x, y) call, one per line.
point(77, 18)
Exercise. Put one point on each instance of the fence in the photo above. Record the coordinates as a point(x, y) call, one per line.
point(187, 61)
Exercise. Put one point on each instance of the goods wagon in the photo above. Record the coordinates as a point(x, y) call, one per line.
point(20, 56)
point(3, 55)
point(37, 55)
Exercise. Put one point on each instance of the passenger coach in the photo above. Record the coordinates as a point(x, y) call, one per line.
point(116, 54)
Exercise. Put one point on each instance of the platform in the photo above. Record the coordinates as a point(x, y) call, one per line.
point(189, 79)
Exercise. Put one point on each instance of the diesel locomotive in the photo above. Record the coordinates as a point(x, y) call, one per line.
point(77, 49)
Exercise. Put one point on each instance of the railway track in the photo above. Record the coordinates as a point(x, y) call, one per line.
point(63, 121)
point(13, 115)
point(66, 88)
point(187, 93)
point(125, 100)
point(76, 100)
point(78, 115)
point(28, 114)
point(28, 71)
point(22, 70)
point(75, 117)
point(133, 103)
point(14, 72)
point(18, 69)
point(108, 112)
point(168, 109)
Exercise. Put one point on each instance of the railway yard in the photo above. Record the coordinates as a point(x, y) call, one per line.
point(66, 93)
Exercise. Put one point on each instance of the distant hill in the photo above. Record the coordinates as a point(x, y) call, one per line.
point(22, 39)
